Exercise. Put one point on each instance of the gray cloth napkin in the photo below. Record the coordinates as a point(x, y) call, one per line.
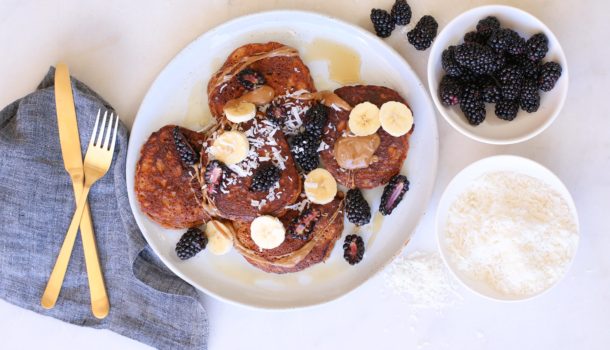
point(148, 302)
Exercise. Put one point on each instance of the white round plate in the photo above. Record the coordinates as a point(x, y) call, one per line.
point(463, 180)
point(178, 96)
point(494, 130)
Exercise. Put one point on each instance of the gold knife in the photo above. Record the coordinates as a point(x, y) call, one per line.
point(73, 162)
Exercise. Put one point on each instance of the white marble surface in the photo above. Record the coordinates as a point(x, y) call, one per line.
point(118, 47)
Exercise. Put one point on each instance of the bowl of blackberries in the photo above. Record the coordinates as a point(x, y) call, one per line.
point(498, 75)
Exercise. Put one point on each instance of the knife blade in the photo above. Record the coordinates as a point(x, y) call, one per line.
point(73, 162)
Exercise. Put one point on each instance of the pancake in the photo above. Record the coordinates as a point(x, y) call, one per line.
point(294, 254)
point(168, 192)
point(391, 153)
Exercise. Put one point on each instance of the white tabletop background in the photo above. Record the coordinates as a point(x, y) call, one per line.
point(118, 47)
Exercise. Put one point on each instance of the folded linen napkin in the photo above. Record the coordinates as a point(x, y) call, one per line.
point(148, 302)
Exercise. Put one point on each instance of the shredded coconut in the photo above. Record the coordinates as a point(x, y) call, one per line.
point(511, 231)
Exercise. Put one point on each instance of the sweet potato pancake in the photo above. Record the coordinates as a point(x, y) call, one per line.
point(295, 254)
point(391, 153)
point(167, 190)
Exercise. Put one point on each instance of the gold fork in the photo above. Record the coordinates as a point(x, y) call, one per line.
point(96, 164)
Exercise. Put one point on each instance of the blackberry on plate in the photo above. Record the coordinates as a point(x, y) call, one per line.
point(506, 41)
point(188, 156)
point(529, 100)
point(250, 78)
point(192, 242)
point(383, 23)
point(449, 91)
point(488, 25)
point(548, 75)
point(491, 92)
point(276, 113)
point(472, 105)
point(215, 173)
point(424, 32)
point(476, 57)
point(393, 193)
point(475, 37)
point(304, 148)
point(529, 67)
point(507, 109)
point(316, 118)
point(468, 77)
point(450, 65)
point(401, 12)
point(302, 226)
point(536, 47)
point(357, 208)
point(511, 79)
point(265, 177)
point(353, 249)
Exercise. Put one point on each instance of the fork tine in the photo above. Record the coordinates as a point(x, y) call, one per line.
point(97, 119)
point(116, 127)
point(108, 131)
point(98, 139)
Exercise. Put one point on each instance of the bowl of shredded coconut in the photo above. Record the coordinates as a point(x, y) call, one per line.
point(507, 228)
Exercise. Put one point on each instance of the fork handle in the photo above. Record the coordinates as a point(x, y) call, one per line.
point(56, 279)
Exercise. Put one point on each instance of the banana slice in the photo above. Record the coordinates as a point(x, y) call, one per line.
point(364, 119)
point(230, 147)
point(320, 186)
point(239, 111)
point(396, 118)
point(220, 237)
point(267, 232)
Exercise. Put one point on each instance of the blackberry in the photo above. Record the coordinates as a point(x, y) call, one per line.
point(476, 57)
point(491, 92)
point(304, 148)
point(276, 113)
point(468, 77)
point(424, 32)
point(316, 118)
point(393, 193)
point(472, 105)
point(548, 75)
point(529, 100)
point(475, 37)
point(506, 41)
point(250, 79)
point(383, 23)
point(507, 109)
point(450, 65)
point(488, 25)
point(529, 67)
point(510, 79)
point(265, 177)
point(302, 226)
point(357, 208)
point(401, 12)
point(353, 249)
point(187, 154)
point(536, 47)
point(215, 173)
point(192, 242)
point(449, 91)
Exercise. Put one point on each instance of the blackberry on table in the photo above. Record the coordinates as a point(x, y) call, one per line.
point(357, 208)
point(265, 177)
point(536, 47)
point(383, 23)
point(529, 100)
point(188, 156)
point(472, 105)
point(488, 25)
point(450, 65)
point(353, 249)
point(215, 173)
point(511, 79)
point(192, 242)
point(424, 32)
point(449, 91)
point(476, 57)
point(506, 41)
point(507, 109)
point(548, 75)
point(304, 148)
point(302, 226)
point(250, 79)
point(316, 118)
point(491, 92)
point(393, 193)
point(401, 12)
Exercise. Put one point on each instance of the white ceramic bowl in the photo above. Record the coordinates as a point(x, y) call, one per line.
point(463, 180)
point(494, 130)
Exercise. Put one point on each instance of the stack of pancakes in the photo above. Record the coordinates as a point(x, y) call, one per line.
point(174, 195)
